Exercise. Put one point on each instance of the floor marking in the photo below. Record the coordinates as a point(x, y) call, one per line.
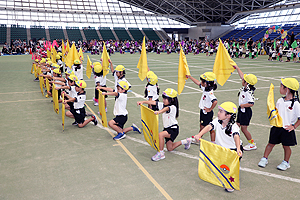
point(24, 100)
point(20, 92)
point(166, 195)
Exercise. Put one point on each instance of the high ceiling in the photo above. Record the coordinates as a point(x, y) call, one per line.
point(193, 12)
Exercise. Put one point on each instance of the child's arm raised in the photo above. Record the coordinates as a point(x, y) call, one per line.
point(197, 82)
point(202, 132)
point(239, 71)
point(111, 66)
point(146, 102)
point(105, 88)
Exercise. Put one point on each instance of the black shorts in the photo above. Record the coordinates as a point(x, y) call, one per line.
point(120, 120)
point(243, 118)
point(79, 115)
point(280, 135)
point(71, 104)
point(205, 119)
point(173, 131)
point(97, 92)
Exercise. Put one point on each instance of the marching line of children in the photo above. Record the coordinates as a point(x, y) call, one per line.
point(224, 129)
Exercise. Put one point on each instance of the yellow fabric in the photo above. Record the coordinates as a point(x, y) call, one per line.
point(250, 78)
point(81, 57)
point(32, 68)
point(35, 70)
point(55, 99)
point(53, 55)
point(105, 63)
point(291, 83)
point(72, 55)
point(89, 67)
point(48, 54)
point(41, 79)
point(68, 47)
point(63, 50)
point(142, 64)
point(47, 87)
point(169, 92)
point(63, 112)
point(229, 107)
point(208, 76)
point(273, 115)
point(223, 66)
point(150, 127)
point(101, 103)
point(183, 70)
point(220, 160)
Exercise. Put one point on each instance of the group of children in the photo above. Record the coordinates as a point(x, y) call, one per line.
point(277, 53)
point(224, 130)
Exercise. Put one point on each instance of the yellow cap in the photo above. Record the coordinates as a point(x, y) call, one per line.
point(43, 60)
point(59, 53)
point(96, 63)
point(73, 78)
point(208, 76)
point(290, 83)
point(48, 59)
point(120, 68)
point(57, 56)
point(228, 106)
point(77, 62)
point(124, 85)
point(69, 72)
point(36, 60)
point(81, 84)
point(57, 71)
point(54, 65)
point(97, 68)
point(152, 78)
point(250, 78)
point(170, 93)
point(49, 62)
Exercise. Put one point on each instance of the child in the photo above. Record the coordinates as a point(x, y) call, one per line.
point(118, 73)
point(99, 81)
point(208, 100)
point(169, 110)
point(289, 110)
point(227, 131)
point(78, 69)
point(120, 111)
point(152, 89)
point(78, 112)
point(288, 56)
point(246, 101)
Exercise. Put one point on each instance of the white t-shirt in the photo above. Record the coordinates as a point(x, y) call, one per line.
point(100, 79)
point(207, 99)
point(78, 72)
point(117, 80)
point(289, 116)
point(152, 92)
point(120, 104)
point(222, 138)
point(169, 117)
point(246, 97)
point(79, 100)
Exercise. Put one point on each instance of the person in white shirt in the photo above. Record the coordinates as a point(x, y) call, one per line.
point(118, 73)
point(78, 112)
point(227, 131)
point(78, 69)
point(120, 111)
point(100, 80)
point(208, 100)
point(246, 101)
point(170, 111)
point(152, 89)
point(289, 110)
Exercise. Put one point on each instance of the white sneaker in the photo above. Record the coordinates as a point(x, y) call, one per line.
point(283, 166)
point(250, 147)
point(263, 162)
point(158, 156)
point(188, 144)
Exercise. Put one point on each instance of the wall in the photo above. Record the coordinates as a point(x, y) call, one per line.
point(203, 31)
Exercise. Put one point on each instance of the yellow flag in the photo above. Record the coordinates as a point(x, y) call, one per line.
point(47, 87)
point(41, 79)
point(89, 67)
point(72, 55)
point(183, 70)
point(273, 115)
point(150, 127)
point(63, 112)
point(55, 99)
point(63, 50)
point(143, 65)
point(32, 68)
point(81, 55)
point(53, 54)
point(223, 66)
point(105, 63)
point(101, 103)
point(48, 53)
point(219, 165)
point(36, 67)
point(68, 46)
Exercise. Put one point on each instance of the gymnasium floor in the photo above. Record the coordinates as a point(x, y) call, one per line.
point(40, 161)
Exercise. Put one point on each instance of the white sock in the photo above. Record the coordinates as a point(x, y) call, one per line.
point(162, 152)
point(184, 141)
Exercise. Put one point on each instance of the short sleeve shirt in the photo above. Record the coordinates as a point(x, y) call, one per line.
point(169, 117)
